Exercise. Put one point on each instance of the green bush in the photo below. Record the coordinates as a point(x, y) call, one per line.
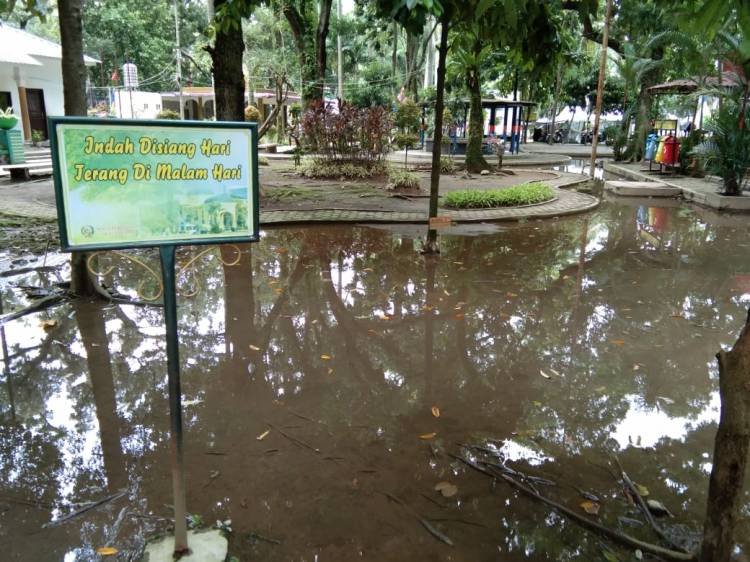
point(319, 168)
point(402, 179)
point(168, 114)
point(252, 114)
point(726, 153)
point(447, 165)
point(518, 195)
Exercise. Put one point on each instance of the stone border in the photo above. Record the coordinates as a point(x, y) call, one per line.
point(698, 197)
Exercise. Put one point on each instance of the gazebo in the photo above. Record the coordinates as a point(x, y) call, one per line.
point(515, 116)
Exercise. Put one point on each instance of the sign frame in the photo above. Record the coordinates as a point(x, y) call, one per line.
point(57, 171)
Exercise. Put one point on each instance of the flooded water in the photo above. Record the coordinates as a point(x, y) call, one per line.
point(332, 366)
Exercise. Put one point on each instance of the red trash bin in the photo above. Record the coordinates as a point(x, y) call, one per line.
point(670, 150)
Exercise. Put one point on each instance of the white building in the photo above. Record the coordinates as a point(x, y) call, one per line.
point(31, 78)
point(134, 104)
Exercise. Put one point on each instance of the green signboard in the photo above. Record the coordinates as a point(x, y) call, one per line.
point(126, 184)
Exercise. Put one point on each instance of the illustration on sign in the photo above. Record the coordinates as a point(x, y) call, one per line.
point(121, 184)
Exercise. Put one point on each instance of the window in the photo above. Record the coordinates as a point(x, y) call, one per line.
point(158, 107)
point(145, 106)
point(5, 100)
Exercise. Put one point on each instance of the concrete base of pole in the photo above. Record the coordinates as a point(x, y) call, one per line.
point(205, 546)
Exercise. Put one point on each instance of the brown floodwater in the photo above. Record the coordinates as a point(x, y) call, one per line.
point(332, 366)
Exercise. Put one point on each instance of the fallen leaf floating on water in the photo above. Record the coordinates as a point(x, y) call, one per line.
point(263, 435)
point(617, 342)
point(330, 371)
point(610, 556)
point(665, 399)
point(106, 550)
point(600, 389)
point(325, 357)
point(592, 508)
point(48, 324)
point(428, 435)
point(447, 489)
point(555, 372)
point(642, 490)
point(545, 375)
point(254, 347)
point(435, 411)
point(459, 316)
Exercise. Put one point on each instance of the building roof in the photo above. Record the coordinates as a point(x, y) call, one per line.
point(29, 49)
point(688, 85)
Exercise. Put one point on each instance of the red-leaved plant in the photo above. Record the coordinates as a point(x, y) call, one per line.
point(349, 135)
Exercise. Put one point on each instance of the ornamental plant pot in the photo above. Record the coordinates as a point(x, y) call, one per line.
point(7, 123)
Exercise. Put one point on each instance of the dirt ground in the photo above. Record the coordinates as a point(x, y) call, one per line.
point(283, 188)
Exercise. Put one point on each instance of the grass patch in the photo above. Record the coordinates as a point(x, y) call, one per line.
point(399, 178)
point(516, 196)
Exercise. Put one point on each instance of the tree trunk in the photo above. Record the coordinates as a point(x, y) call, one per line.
point(475, 161)
point(645, 100)
point(324, 20)
point(74, 100)
point(431, 246)
point(310, 46)
point(229, 83)
point(556, 103)
point(600, 89)
point(394, 56)
point(730, 451)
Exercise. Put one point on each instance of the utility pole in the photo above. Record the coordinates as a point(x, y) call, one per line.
point(340, 62)
point(600, 87)
point(178, 52)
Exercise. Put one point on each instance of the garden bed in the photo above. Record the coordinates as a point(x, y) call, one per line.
point(523, 195)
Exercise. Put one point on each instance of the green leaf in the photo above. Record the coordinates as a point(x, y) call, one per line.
point(482, 7)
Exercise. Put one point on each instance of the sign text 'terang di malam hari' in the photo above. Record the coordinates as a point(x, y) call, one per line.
point(121, 184)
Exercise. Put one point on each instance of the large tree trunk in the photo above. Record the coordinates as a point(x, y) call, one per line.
point(310, 43)
point(229, 83)
point(475, 161)
point(321, 35)
point(431, 246)
point(74, 100)
point(645, 101)
point(730, 451)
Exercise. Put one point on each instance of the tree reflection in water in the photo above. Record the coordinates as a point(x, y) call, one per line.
point(343, 339)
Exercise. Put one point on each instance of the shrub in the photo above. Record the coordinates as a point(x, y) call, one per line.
point(320, 168)
point(689, 162)
point(524, 194)
point(168, 114)
point(262, 161)
point(447, 165)
point(619, 143)
point(402, 179)
point(355, 135)
point(252, 113)
point(726, 152)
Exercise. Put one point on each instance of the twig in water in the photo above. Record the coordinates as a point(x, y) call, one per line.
point(260, 537)
point(83, 510)
point(294, 440)
point(644, 508)
point(617, 536)
point(426, 524)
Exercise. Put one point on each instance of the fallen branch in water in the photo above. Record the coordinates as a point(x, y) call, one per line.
point(617, 536)
point(644, 508)
point(424, 522)
point(39, 305)
point(83, 510)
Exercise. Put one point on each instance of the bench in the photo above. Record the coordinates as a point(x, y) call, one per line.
point(25, 171)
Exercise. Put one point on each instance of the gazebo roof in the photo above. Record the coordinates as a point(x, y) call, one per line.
point(689, 85)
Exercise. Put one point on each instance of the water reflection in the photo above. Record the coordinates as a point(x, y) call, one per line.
point(341, 340)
